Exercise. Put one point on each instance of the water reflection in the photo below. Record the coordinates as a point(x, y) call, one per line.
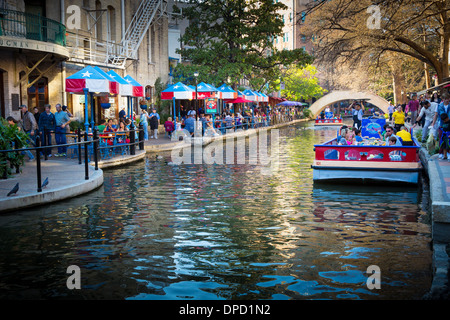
point(156, 231)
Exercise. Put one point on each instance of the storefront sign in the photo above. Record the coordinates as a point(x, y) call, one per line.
point(211, 105)
point(12, 42)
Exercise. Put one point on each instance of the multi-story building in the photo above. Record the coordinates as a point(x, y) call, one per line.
point(42, 42)
point(301, 40)
point(294, 17)
point(287, 40)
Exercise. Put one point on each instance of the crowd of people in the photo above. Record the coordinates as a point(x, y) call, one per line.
point(44, 124)
point(387, 137)
point(50, 124)
point(229, 119)
point(429, 111)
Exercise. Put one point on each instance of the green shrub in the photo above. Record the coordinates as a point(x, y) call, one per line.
point(11, 138)
point(74, 125)
point(307, 114)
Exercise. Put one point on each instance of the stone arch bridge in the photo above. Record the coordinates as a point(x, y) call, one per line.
point(336, 96)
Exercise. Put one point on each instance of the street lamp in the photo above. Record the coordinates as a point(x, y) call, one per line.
point(196, 94)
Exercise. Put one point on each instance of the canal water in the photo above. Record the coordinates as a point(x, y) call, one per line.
point(197, 231)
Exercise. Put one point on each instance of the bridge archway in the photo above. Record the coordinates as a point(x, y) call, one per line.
point(336, 96)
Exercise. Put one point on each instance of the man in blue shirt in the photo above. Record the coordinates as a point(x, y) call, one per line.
point(390, 133)
point(61, 121)
point(47, 123)
point(189, 124)
point(443, 107)
point(122, 113)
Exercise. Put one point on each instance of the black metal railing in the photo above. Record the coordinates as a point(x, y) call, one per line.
point(30, 26)
point(83, 143)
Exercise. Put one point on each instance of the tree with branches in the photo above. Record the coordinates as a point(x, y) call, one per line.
point(230, 40)
point(349, 31)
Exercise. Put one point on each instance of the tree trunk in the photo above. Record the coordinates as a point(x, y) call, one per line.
point(445, 43)
point(398, 85)
point(427, 76)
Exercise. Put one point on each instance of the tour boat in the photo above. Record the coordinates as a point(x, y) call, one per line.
point(328, 122)
point(370, 163)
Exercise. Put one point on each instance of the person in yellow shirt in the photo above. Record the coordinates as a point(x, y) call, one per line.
point(399, 118)
point(406, 136)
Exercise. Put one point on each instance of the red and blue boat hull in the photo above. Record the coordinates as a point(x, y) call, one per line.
point(366, 164)
point(328, 122)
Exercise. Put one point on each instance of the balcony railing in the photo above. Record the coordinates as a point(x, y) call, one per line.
point(30, 26)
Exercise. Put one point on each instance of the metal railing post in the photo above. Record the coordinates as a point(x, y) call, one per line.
point(86, 163)
point(95, 147)
point(132, 139)
point(15, 147)
point(141, 137)
point(45, 143)
point(79, 145)
point(38, 164)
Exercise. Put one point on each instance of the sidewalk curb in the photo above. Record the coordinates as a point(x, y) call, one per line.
point(120, 161)
point(50, 196)
point(440, 225)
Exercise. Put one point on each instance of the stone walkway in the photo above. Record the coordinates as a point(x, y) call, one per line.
point(439, 177)
point(443, 167)
point(66, 179)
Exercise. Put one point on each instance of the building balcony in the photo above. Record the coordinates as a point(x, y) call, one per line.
point(32, 27)
point(31, 32)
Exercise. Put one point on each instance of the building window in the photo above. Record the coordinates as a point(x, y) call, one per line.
point(37, 93)
point(303, 17)
point(111, 22)
point(98, 17)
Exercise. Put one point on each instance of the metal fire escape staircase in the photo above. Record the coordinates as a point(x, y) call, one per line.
point(137, 29)
point(111, 54)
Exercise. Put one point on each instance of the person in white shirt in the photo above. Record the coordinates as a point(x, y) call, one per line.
point(428, 110)
point(390, 110)
point(191, 112)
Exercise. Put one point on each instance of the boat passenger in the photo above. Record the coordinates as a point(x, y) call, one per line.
point(383, 134)
point(406, 137)
point(390, 133)
point(358, 136)
point(392, 140)
point(340, 133)
point(348, 137)
point(322, 115)
point(399, 118)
